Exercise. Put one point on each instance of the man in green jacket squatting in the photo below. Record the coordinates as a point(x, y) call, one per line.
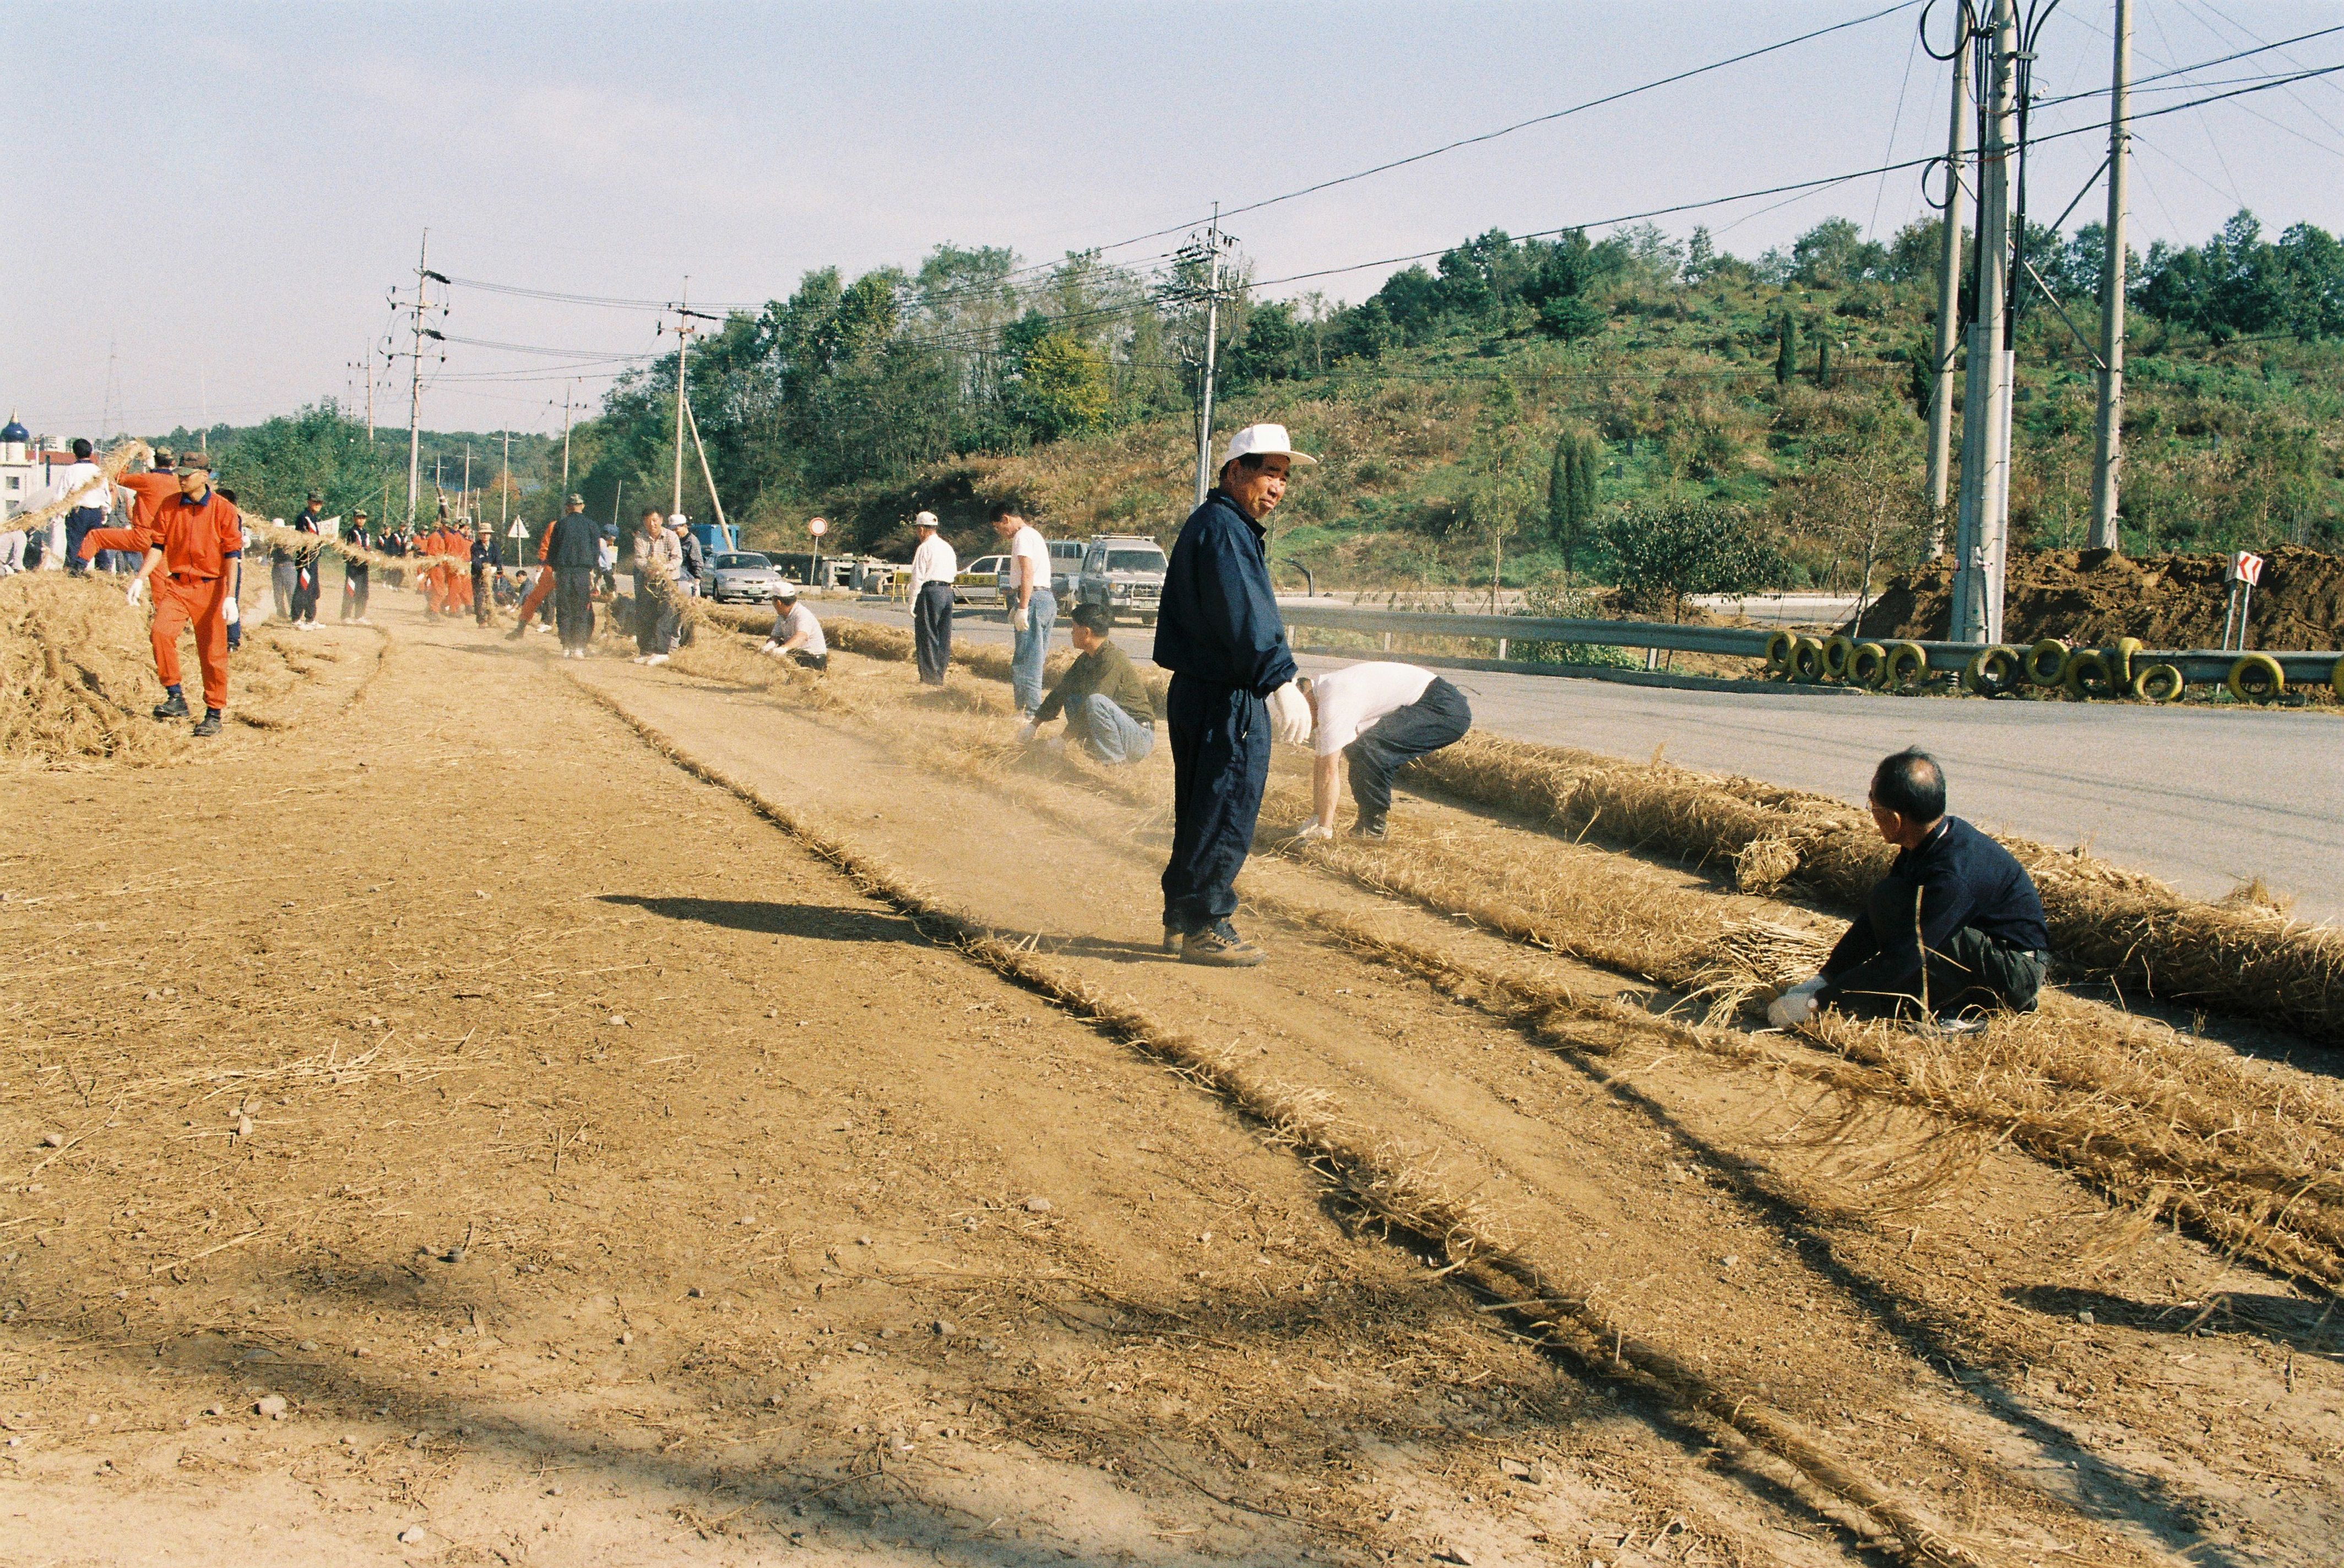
point(1106, 702)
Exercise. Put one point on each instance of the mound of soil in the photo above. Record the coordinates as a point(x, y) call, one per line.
point(2092, 597)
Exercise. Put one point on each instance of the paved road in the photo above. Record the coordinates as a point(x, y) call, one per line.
point(2202, 797)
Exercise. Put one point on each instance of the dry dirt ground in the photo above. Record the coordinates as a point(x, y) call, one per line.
point(517, 1112)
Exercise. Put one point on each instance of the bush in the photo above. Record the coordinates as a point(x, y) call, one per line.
point(1668, 550)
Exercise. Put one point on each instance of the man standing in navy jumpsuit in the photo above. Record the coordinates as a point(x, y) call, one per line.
point(1219, 631)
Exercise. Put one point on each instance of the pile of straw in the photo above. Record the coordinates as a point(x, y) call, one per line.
point(76, 674)
point(2241, 958)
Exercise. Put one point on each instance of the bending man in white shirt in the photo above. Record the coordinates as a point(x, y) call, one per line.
point(796, 634)
point(1381, 716)
point(933, 567)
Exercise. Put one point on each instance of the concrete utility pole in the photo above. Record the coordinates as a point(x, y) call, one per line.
point(415, 386)
point(504, 488)
point(1949, 302)
point(2108, 427)
point(1212, 336)
point(565, 439)
point(1981, 539)
point(682, 354)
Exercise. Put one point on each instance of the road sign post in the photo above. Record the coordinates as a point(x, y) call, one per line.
point(817, 527)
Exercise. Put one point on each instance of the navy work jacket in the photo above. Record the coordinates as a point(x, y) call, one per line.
point(1218, 620)
point(1957, 877)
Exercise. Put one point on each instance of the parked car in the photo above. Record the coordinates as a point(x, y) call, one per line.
point(979, 582)
point(1124, 572)
point(1066, 569)
point(743, 575)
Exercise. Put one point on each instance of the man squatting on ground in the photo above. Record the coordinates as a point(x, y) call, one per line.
point(1218, 630)
point(933, 567)
point(196, 541)
point(1381, 716)
point(1954, 931)
point(1033, 607)
point(572, 548)
point(797, 634)
point(1107, 711)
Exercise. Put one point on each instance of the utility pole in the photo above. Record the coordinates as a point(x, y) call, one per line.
point(369, 371)
point(504, 488)
point(1982, 529)
point(464, 506)
point(1212, 349)
point(2107, 426)
point(565, 438)
point(1949, 298)
point(683, 355)
point(418, 331)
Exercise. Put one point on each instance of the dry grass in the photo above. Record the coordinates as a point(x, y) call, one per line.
point(2242, 957)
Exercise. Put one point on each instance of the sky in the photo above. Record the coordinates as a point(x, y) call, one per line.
point(211, 234)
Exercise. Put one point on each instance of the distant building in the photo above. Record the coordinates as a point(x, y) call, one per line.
point(27, 468)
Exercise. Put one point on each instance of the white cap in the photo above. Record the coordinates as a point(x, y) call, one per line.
point(925, 519)
point(675, 520)
point(1263, 440)
point(788, 590)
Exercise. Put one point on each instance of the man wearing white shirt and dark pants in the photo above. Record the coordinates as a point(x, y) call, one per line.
point(933, 567)
point(796, 634)
point(1381, 716)
point(1033, 608)
point(83, 483)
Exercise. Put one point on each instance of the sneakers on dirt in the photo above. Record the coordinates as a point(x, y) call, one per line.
point(1173, 937)
point(1369, 829)
point(176, 707)
point(1220, 946)
point(210, 726)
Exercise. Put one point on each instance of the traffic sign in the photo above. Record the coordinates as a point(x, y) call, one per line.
point(817, 527)
point(2246, 567)
point(519, 530)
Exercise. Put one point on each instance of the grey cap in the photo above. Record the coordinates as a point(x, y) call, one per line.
point(788, 590)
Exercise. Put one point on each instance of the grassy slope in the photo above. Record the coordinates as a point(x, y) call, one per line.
point(2227, 445)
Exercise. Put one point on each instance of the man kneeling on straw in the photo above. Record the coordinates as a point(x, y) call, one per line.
point(1952, 932)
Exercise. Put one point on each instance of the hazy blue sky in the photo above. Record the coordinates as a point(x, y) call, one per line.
point(224, 191)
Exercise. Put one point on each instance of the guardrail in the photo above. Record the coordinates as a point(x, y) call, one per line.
point(2198, 664)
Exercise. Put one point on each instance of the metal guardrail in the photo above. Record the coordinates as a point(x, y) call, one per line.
point(2195, 663)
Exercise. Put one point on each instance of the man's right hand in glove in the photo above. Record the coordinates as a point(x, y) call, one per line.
point(1289, 715)
point(1021, 619)
point(1795, 1006)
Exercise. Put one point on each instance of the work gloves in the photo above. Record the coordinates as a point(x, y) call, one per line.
point(1029, 732)
point(1289, 715)
point(138, 587)
point(1021, 619)
point(1795, 1006)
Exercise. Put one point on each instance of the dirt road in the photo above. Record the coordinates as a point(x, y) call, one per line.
point(631, 1115)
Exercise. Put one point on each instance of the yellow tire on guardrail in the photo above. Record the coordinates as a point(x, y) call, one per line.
point(2257, 678)
point(1837, 651)
point(1779, 647)
point(1907, 668)
point(1995, 671)
point(1807, 660)
point(2158, 682)
point(2336, 680)
point(2047, 663)
point(1867, 666)
point(2120, 658)
point(2090, 674)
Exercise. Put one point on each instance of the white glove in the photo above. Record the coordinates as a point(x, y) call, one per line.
point(1795, 1006)
point(772, 649)
point(1021, 619)
point(1289, 715)
point(137, 586)
point(1029, 732)
point(229, 612)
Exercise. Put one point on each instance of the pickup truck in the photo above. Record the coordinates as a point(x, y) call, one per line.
point(979, 582)
point(1124, 572)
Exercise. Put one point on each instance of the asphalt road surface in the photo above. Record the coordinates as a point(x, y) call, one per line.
point(2202, 797)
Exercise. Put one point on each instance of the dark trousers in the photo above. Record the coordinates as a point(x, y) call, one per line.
point(78, 523)
point(1437, 719)
point(305, 591)
point(1220, 761)
point(655, 618)
point(484, 594)
point(573, 604)
point(1973, 972)
point(932, 621)
point(354, 584)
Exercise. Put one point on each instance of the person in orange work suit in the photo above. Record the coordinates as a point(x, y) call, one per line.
point(544, 583)
point(149, 492)
point(190, 554)
point(434, 577)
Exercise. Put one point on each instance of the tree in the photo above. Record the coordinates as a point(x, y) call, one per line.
point(1570, 494)
point(1669, 549)
point(274, 466)
point(1065, 381)
point(1501, 489)
point(1835, 253)
point(1786, 351)
point(1863, 498)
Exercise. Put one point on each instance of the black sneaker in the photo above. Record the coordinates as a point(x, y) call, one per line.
point(210, 726)
point(1220, 946)
point(176, 708)
point(1173, 937)
point(517, 632)
point(1371, 830)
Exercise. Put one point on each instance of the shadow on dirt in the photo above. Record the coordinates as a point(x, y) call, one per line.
point(823, 922)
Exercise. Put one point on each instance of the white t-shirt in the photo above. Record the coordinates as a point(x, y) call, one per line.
point(84, 483)
point(797, 618)
point(1354, 697)
point(934, 561)
point(1026, 543)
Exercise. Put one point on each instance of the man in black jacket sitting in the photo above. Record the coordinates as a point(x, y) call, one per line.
point(1954, 931)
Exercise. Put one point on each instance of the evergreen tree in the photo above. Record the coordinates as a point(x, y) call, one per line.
point(1571, 493)
point(1786, 353)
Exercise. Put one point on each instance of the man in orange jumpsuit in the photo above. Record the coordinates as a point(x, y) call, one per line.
point(196, 541)
point(544, 583)
point(433, 546)
point(149, 492)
